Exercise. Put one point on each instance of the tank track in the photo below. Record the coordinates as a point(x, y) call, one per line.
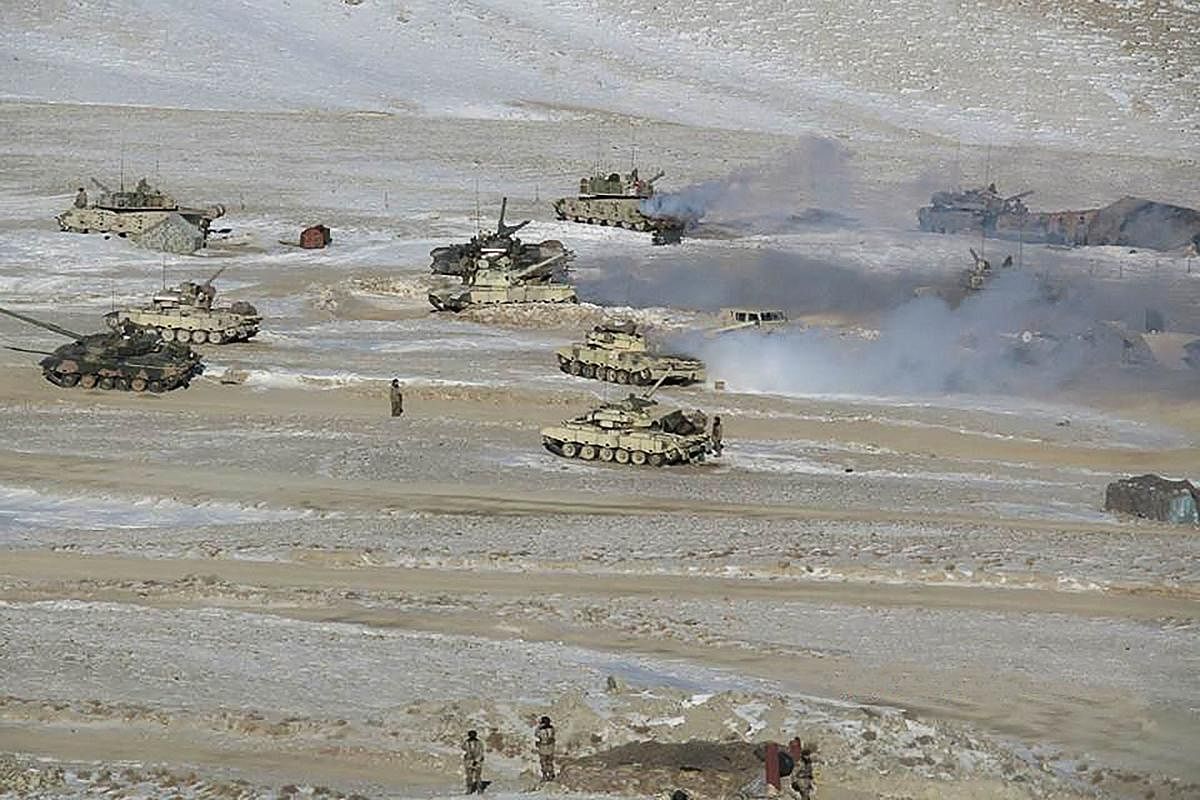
point(636, 458)
point(582, 369)
point(122, 383)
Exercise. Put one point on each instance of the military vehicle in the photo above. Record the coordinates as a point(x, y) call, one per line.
point(498, 282)
point(738, 319)
point(127, 360)
point(973, 210)
point(460, 260)
point(617, 353)
point(186, 314)
point(132, 213)
point(632, 431)
point(621, 201)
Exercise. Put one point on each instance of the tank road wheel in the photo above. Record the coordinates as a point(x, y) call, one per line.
point(591, 220)
point(233, 334)
point(589, 370)
point(199, 337)
point(183, 336)
point(167, 334)
point(638, 457)
point(622, 376)
point(121, 384)
point(610, 375)
point(88, 381)
point(656, 459)
point(576, 367)
point(217, 337)
point(138, 384)
point(570, 450)
point(646, 378)
point(156, 387)
point(564, 364)
point(588, 452)
point(603, 221)
point(606, 454)
point(69, 379)
point(622, 455)
point(107, 383)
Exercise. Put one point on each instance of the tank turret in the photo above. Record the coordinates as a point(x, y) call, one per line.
point(635, 431)
point(459, 260)
point(127, 359)
point(972, 210)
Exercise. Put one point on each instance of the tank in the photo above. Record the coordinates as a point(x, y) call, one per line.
point(128, 359)
point(460, 260)
point(617, 353)
point(494, 282)
point(632, 431)
point(132, 213)
point(187, 313)
point(620, 201)
point(970, 211)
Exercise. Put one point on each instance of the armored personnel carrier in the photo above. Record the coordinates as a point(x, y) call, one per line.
point(632, 431)
point(970, 211)
point(617, 353)
point(127, 359)
point(186, 314)
point(621, 201)
point(460, 260)
point(132, 213)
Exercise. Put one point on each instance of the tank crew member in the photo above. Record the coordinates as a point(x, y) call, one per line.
point(81, 198)
point(473, 762)
point(717, 446)
point(544, 739)
point(397, 398)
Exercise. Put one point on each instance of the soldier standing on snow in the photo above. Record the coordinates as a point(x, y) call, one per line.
point(544, 739)
point(397, 398)
point(717, 446)
point(473, 762)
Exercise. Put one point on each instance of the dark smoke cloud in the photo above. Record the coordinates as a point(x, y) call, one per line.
point(813, 182)
point(768, 278)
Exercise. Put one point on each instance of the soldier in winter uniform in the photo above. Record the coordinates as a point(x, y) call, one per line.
point(397, 398)
point(473, 762)
point(81, 198)
point(802, 774)
point(544, 739)
point(717, 433)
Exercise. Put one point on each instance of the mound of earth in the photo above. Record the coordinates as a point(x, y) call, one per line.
point(704, 768)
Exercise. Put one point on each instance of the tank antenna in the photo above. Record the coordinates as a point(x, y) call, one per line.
point(122, 162)
point(164, 273)
point(632, 147)
point(478, 212)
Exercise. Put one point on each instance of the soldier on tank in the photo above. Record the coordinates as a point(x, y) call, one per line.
point(81, 198)
point(717, 431)
point(473, 762)
point(544, 740)
point(397, 398)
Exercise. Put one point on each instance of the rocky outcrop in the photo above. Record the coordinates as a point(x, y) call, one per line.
point(1155, 497)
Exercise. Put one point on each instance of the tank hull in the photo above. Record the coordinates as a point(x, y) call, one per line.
point(617, 212)
point(131, 222)
point(626, 447)
point(625, 367)
point(218, 326)
point(459, 299)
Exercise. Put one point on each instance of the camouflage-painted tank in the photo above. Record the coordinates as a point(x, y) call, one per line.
point(187, 314)
point(620, 201)
point(631, 431)
point(125, 360)
point(131, 213)
point(617, 353)
point(499, 283)
point(460, 260)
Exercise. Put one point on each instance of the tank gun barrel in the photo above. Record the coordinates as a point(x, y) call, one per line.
point(535, 268)
point(504, 229)
point(27, 350)
point(101, 186)
point(657, 175)
point(1020, 196)
point(46, 325)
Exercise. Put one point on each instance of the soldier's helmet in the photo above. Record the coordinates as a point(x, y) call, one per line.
point(545, 720)
point(471, 734)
